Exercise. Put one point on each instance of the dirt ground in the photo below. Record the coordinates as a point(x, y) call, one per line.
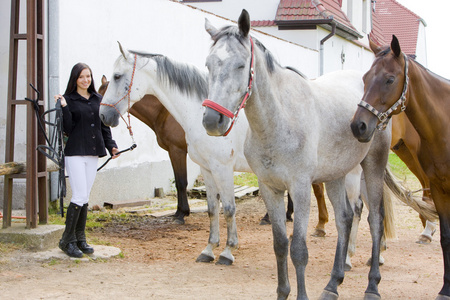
point(159, 263)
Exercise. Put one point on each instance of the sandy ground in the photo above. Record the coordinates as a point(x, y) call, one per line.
point(158, 262)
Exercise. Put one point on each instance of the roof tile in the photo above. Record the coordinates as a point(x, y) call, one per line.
point(390, 17)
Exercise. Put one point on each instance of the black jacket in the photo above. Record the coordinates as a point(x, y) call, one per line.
point(87, 133)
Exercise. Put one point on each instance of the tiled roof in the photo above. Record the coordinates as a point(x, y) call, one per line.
point(263, 23)
point(293, 10)
point(314, 12)
point(390, 17)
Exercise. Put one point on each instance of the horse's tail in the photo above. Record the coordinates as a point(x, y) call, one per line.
point(389, 220)
point(404, 194)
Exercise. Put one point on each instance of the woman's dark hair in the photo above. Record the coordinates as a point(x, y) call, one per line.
point(76, 71)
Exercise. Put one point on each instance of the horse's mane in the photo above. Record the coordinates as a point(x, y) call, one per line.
point(387, 50)
point(233, 31)
point(187, 78)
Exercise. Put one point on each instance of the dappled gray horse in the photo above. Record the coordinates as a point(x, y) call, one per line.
point(299, 134)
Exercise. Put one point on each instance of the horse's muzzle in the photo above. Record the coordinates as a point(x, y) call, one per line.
point(214, 122)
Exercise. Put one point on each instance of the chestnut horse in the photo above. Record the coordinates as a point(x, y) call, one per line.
point(170, 137)
point(397, 83)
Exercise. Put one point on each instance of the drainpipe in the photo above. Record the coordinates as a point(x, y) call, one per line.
point(53, 75)
point(333, 31)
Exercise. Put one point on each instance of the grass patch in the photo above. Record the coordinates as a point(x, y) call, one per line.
point(248, 179)
point(398, 167)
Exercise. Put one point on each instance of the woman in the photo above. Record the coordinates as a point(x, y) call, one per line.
point(87, 139)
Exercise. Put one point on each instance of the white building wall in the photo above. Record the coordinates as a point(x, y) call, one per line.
point(341, 54)
point(231, 9)
point(89, 31)
point(421, 48)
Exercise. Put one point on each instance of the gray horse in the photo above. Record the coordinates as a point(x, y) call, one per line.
point(299, 134)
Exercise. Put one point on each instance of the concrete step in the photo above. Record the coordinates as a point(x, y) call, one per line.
point(37, 239)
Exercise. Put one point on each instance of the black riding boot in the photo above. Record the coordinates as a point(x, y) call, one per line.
point(79, 231)
point(68, 242)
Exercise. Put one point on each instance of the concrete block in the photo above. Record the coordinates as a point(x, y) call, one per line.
point(37, 239)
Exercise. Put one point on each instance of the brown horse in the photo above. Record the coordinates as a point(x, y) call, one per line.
point(170, 137)
point(395, 83)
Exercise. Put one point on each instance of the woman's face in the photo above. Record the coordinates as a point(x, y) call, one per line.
point(84, 80)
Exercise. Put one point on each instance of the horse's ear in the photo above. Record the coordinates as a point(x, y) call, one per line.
point(104, 80)
point(244, 23)
point(374, 47)
point(210, 28)
point(395, 46)
point(121, 51)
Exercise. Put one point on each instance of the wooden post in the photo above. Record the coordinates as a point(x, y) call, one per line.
point(36, 176)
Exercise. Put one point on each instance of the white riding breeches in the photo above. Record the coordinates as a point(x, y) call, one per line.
point(81, 171)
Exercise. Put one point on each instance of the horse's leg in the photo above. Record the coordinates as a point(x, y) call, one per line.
point(319, 192)
point(374, 166)
point(301, 195)
point(274, 201)
point(290, 210)
point(344, 216)
point(223, 176)
point(442, 202)
point(353, 187)
point(178, 160)
point(426, 236)
point(212, 195)
point(357, 210)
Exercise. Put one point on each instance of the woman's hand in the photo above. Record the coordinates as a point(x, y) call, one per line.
point(63, 101)
point(114, 151)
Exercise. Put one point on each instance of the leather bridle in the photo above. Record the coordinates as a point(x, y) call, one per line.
point(386, 116)
point(127, 95)
point(219, 108)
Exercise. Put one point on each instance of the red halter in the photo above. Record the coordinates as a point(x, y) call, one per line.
point(127, 95)
point(224, 111)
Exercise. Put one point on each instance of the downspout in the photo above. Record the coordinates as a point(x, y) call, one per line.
point(53, 75)
point(333, 31)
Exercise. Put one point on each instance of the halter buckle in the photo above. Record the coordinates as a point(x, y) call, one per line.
point(383, 117)
point(403, 107)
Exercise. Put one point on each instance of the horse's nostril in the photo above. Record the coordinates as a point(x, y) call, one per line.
point(362, 127)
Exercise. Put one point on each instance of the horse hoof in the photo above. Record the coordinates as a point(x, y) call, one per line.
point(178, 221)
point(380, 262)
point(319, 233)
point(327, 295)
point(442, 297)
point(204, 258)
point(264, 222)
point(424, 239)
point(371, 296)
point(347, 267)
point(224, 261)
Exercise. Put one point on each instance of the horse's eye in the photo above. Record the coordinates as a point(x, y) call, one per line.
point(241, 67)
point(390, 80)
point(117, 76)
